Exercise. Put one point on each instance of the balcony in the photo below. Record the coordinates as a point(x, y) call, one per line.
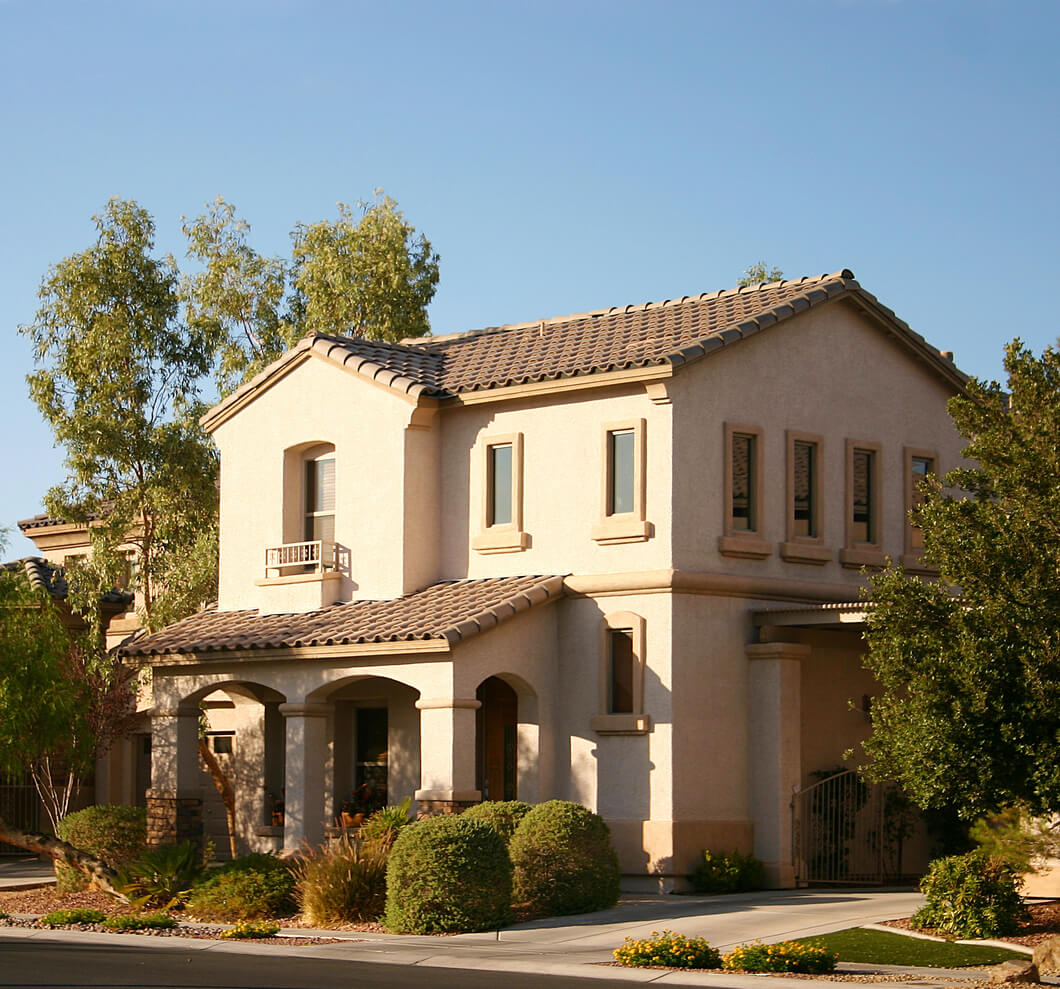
point(298, 558)
point(300, 577)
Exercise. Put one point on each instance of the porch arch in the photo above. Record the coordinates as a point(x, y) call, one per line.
point(507, 739)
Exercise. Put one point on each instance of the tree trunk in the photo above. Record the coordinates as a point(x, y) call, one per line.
point(228, 797)
point(99, 873)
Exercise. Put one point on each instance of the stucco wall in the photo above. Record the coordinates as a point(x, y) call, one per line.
point(316, 403)
point(829, 372)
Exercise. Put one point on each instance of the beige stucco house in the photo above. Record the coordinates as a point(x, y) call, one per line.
point(611, 557)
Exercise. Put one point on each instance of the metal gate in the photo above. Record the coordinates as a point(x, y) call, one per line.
point(19, 806)
point(847, 831)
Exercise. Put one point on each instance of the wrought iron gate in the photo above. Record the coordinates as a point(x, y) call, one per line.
point(19, 806)
point(847, 831)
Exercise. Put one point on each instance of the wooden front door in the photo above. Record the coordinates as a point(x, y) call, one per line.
point(495, 740)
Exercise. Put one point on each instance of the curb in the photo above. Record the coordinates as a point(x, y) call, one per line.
point(984, 942)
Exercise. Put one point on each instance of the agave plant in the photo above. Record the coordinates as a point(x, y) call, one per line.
point(383, 827)
point(161, 877)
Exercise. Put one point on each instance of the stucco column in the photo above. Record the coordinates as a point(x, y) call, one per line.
point(306, 752)
point(447, 754)
point(174, 802)
point(776, 751)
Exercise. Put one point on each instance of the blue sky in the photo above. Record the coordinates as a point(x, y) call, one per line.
point(559, 156)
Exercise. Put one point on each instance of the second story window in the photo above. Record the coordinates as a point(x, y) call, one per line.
point(320, 498)
point(621, 455)
point(743, 483)
point(863, 506)
point(624, 483)
point(919, 465)
point(498, 466)
point(804, 488)
point(499, 484)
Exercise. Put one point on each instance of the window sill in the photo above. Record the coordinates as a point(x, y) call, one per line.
point(621, 724)
point(748, 547)
point(812, 553)
point(621, 529)
point(863, 556)
point(500, 541)
point(915, 564)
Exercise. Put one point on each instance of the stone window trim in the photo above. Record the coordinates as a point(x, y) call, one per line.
point(506, 537)
point(798, 548)
point(856, 554)
point(745, 544)
point(911, 557)
point(635, 722)
point(625, 527)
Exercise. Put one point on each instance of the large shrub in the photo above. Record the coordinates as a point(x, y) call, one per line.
point(448, 874)
point(115, 834)
point(342, 882)
point(720, 872)
point(562, 861)
point(247, 888)
point(971, 896)
point(502, 815)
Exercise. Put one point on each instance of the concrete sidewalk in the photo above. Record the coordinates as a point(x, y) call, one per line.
point(579, 946)
point(25, 873)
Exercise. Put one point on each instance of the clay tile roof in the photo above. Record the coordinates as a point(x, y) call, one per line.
point(51, 578)
point(451, 610)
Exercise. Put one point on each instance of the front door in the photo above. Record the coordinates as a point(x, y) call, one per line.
point(495, 740)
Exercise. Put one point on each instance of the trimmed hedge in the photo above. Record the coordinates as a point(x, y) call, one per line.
point(247, 888)
point(721, 872)
point(116, 834)
point(448, 874)
point(502, 815)
point(563, 862)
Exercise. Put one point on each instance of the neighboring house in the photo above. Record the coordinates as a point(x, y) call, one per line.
point(609, 557)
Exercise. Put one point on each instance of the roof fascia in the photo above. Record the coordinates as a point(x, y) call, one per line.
point(288, 653)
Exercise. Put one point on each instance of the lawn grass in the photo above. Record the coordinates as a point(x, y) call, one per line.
point(879, 948)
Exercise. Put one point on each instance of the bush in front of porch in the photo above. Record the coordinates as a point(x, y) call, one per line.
point(115, 833)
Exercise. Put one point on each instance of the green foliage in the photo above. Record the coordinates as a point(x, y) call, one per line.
point(448, 874)
point(140, 922)
point(386, 824)
point(80, 915)
point(1013, 836)
point(162, 876)
point(858, 944)
point(967, 712)
point(760, 272)
point(971, 896)
point(343, 882)
point(787, 956)
point(251, 929)
point(370, 277)
point(115, 834)
point(665, 949)
point(720, 872)
point(562, 861)
point(247, 888)
point(501, 815)
point(117, 378)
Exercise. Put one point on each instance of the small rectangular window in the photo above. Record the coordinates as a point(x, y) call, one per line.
point(919, 469)
point(863, 509)
point(221, 742)
point(622, 467)
point(743, 483)
point(620, 690)
point(804, 507)
point(500, 485)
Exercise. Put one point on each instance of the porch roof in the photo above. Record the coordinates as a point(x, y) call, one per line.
point(449, 610)
point(848, 615)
